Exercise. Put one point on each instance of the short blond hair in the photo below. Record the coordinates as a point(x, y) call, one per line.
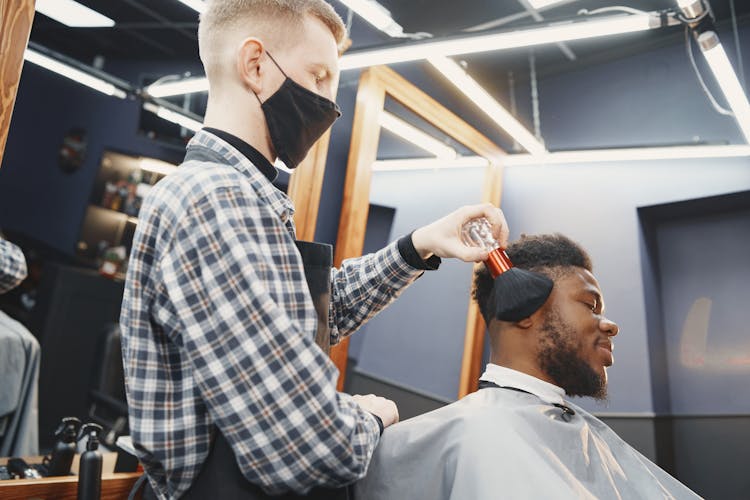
point(271, 19)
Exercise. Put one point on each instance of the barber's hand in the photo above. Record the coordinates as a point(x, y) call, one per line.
point(383, 408)
point(443, 237)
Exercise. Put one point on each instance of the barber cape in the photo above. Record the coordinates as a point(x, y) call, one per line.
point(505, 443)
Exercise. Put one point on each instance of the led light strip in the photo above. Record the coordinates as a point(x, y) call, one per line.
point(577, 157)
point(73, 14)
point(375, 14)
point(429, 163)
point(415, 136)
point(552, 33)
point(173, 116)
point(77, 75)
point(186, 86)
point(476, 93)
point(727, 79)
point(197, 5)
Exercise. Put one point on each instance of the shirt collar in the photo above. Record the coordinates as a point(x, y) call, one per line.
point(252, 154)
point(227, 154)
point(508, 377)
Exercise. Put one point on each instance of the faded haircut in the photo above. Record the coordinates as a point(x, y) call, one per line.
point(550, 254)
point(265, 19)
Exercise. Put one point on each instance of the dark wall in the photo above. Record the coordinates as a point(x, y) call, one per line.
point(36, 197)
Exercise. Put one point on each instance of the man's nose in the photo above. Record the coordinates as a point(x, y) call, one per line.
point(609, 326)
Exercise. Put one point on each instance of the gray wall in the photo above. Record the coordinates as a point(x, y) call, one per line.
point(704, 269)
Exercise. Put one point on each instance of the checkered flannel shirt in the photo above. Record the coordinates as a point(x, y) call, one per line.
point(218, 328)
point(12, 266)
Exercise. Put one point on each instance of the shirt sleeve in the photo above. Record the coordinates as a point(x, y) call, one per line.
point(267, 386)
point(12, 266)
point(365, 285)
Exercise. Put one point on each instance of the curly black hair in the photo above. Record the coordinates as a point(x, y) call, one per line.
point(548, 254)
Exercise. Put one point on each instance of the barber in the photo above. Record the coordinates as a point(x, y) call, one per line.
point(228, 393)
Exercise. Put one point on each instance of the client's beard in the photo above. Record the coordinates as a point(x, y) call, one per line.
point(559, 359)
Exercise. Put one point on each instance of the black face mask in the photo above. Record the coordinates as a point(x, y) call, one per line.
point(296, 118)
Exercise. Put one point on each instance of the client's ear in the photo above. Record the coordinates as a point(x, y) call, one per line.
point(525, 323)
point(535, 318)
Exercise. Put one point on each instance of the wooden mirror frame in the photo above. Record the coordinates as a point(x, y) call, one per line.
point(374, 84)
point(16, 17)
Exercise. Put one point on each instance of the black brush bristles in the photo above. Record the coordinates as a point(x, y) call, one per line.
point(518, 293)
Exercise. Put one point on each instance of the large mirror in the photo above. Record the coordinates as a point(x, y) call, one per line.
point(379, 89)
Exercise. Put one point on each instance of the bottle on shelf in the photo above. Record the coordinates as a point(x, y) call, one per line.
point(65, 447)
point(90, 465)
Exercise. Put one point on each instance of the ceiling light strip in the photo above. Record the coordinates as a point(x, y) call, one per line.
point(479, 96)
point(630, 154)
point(187, 86)
point(543, 4)
point(77, 75)
point(415, 136)
point(575, 157)
point(429, 163)
point(727, 78)
point(375, 14)
point(73, 14)
point(197, 5)
point(558, 32)
point(174, 117)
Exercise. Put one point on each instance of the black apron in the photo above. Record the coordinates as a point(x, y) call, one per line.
point(220, 477)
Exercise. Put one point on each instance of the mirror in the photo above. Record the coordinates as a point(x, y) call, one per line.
point(377, 84)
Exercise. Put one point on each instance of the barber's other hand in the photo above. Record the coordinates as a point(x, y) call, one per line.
point(383, 408)
point(443, 237)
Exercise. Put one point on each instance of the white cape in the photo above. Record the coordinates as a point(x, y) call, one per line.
point(499, 443)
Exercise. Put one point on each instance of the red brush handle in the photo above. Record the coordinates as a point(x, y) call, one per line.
point(498, 262)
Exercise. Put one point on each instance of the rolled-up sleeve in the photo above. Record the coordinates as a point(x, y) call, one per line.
point(12, 266)
point(267, 387)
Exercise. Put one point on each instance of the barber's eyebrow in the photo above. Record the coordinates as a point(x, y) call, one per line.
point(320, 67)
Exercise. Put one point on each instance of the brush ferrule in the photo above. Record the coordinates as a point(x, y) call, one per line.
point(498, 262)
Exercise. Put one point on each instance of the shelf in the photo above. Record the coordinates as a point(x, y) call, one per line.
point(130, 218)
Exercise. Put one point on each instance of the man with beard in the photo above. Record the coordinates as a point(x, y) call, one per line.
point(518, 436)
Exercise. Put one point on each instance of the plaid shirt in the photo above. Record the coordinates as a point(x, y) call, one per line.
point(218, 328)
point(12, 266)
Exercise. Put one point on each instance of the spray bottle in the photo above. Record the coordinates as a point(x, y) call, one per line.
point(90, 466)
point(65, 447)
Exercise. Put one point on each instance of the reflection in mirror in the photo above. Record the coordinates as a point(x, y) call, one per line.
point(386, 197)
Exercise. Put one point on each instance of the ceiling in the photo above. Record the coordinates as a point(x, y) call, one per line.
point(164, 31)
